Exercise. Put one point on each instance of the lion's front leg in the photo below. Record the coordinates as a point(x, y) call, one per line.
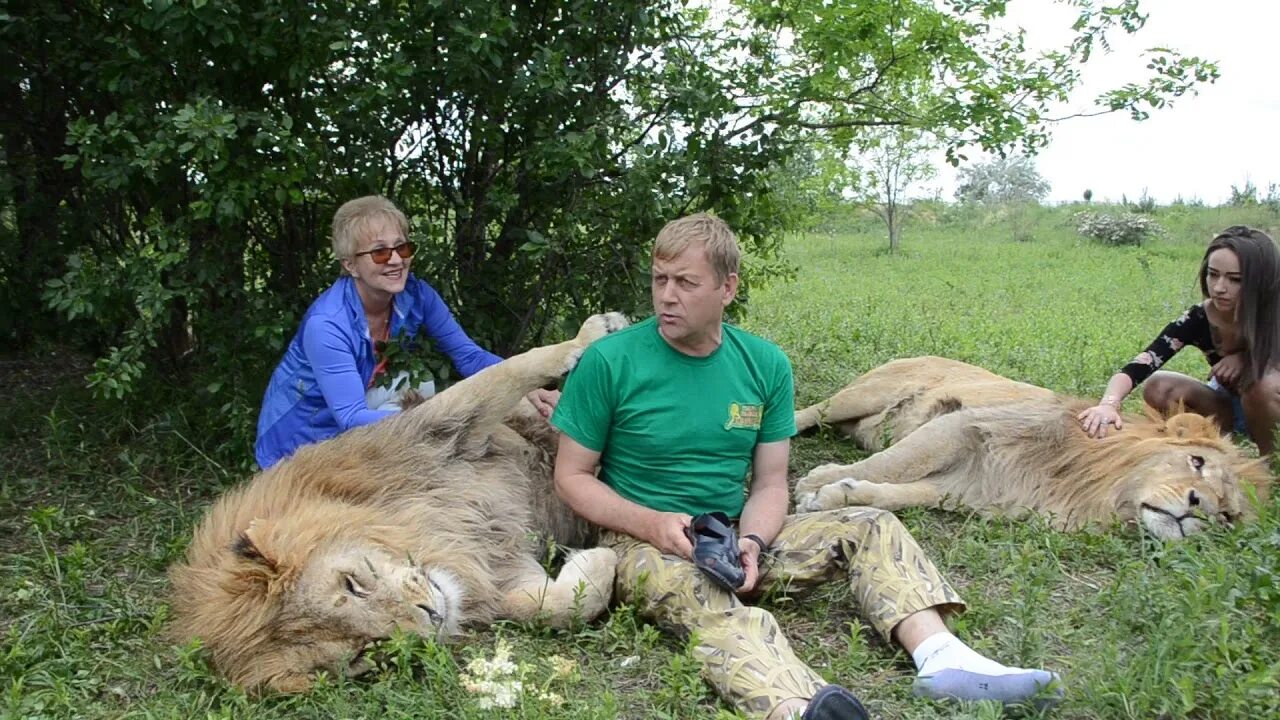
point(483, 400)
point(937, 447)
point(849, 491)
point(581, 591)
point(818, 478)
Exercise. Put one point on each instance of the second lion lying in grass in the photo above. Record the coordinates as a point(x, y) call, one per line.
point(963, 436)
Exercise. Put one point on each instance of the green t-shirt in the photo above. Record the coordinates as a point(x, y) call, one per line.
point(676, 433)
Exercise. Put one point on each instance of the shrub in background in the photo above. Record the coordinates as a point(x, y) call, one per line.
point(1117, 229)
point(1272, 200)
point(1144, 204)
point(1243, 196)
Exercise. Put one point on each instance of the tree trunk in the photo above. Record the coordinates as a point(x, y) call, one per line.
point(892, 221)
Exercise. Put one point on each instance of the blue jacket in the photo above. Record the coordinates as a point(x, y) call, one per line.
point(318, 389)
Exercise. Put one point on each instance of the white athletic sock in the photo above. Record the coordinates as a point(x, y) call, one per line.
point(944, 651)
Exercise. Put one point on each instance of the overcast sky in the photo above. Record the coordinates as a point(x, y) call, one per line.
point(1200, 146)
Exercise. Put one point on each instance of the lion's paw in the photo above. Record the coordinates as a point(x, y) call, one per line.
point(598, 564)
point(592, 572)
point(841, 493)
point(847, 484)
point(824, 474)
point(819, 476)
point(807, 503)
point(826, 468)
point(596, 327)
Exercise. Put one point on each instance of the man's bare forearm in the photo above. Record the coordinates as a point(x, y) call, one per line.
point(764, 512)
point(590, 498)
point(766, 507)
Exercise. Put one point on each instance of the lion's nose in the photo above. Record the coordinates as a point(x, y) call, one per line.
point(1193, 499)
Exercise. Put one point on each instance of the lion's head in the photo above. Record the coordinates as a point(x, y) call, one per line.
point(1179, 474)
point(291, 596)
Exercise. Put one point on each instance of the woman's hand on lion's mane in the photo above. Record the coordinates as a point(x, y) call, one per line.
point(1096, 419)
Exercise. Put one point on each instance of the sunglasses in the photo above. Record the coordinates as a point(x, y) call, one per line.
point(382, 255)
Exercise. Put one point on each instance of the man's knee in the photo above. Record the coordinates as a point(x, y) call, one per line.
point(857, 523)
point(666, 585)
point(734, 631)
point(869, 515)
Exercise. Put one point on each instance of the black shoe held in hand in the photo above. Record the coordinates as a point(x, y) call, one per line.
point(715, 549)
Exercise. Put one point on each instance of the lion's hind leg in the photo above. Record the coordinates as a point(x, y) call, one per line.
point(882, 388)
point(581, 591)
point(846, 408)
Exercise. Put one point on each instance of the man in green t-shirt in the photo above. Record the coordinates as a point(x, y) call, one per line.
point(676, 411)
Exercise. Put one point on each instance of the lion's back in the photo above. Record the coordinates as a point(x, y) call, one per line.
point(1034, 454)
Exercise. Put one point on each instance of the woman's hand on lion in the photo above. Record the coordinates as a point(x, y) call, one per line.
point(1096, 419)
point(544, 401)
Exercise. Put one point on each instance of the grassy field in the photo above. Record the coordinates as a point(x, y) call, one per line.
point(95, 502)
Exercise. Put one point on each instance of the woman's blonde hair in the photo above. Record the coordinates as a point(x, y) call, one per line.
point(354, 218)
point(709, 231)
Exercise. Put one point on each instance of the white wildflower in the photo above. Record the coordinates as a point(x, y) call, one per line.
point(561, 666)
point(501, 694)
point(497, 681)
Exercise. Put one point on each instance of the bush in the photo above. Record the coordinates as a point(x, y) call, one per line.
point(1118, 229)
point(1145, 204)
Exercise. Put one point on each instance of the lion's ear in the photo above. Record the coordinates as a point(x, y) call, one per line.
point(254, 545)
point(1190, 425)
point(266, 571)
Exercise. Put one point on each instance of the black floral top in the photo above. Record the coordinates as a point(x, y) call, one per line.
point(1191, 328)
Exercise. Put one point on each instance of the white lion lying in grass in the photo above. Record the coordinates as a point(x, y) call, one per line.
point(425, 521)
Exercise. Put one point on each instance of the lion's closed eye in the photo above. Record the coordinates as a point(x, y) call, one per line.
point(354, 587)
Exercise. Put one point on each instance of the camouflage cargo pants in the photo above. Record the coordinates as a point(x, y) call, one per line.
point(744, 653)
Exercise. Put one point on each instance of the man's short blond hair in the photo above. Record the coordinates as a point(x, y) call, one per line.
point(707, 231)
point(355, 217)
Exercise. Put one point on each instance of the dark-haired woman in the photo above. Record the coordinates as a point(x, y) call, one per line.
point(1237, 327)
point(324, 385)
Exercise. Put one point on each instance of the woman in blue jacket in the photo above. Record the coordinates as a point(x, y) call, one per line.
point(324, 384)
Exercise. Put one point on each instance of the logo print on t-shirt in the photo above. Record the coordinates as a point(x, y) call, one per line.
point(744, 416)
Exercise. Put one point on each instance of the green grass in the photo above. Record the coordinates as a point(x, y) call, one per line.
point(96, 500)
